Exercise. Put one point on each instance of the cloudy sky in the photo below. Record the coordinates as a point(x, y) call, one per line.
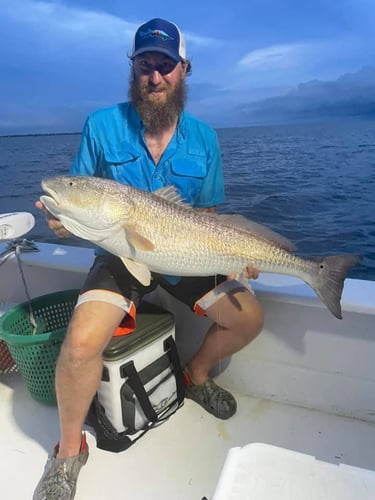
point(61, 59)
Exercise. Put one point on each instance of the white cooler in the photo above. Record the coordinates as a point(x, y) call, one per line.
point(264, 472)
point(142, 347)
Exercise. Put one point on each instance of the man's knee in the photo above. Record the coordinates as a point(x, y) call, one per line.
point(240, 312)
point(255, 321)
point(249, 320)
point(83, 342)
point(78, 348)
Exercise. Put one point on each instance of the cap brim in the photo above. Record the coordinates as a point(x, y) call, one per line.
point(152, 48)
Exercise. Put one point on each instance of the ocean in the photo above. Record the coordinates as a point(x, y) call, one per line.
point(314, 183)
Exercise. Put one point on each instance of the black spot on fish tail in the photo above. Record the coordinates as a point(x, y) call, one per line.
point(329, 283)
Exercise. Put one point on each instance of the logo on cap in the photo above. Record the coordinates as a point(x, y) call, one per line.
point(155, 33)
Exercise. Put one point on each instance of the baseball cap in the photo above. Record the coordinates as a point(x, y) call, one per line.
point(159, 35)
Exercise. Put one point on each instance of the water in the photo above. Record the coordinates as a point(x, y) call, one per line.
point(314, 183)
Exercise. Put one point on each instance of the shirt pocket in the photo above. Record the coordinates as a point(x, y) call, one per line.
point(120, 163)
point(188, 175)
point(118, 155)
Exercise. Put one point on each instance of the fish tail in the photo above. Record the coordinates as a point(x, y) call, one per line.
point(329, 282)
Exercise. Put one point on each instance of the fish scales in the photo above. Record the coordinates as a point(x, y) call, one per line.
point(207, 246)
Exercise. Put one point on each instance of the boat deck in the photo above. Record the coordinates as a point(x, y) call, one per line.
point(182, 458)
point(303, 355)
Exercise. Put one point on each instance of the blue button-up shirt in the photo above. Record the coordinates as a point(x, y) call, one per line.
point(113, 146)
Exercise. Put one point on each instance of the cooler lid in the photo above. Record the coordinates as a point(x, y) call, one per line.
point(263, 471)
point(152, 322)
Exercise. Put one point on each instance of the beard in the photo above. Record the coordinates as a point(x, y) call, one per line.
point(157, 116)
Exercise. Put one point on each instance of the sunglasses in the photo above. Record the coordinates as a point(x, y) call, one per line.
point(146, 68)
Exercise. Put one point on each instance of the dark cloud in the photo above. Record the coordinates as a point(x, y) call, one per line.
point(351, 95)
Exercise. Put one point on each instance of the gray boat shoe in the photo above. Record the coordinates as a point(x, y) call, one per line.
point(59, 480)
point(213, 398)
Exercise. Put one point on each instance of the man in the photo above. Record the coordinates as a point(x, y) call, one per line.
point(148, 142)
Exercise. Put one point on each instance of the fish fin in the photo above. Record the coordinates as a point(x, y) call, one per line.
point(171, 194)
point(138, 241)
point(329, 282)
point(140, 271)
point(256, 229)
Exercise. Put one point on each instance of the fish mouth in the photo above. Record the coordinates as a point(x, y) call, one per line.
point(51, 200)
point(50, 192)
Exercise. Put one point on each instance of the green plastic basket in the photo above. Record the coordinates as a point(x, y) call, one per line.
point(36, 354)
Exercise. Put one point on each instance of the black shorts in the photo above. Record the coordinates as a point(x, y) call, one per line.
point(109, 273)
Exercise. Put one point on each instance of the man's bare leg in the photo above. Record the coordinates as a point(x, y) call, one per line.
point(79, 368)
point(238, 319)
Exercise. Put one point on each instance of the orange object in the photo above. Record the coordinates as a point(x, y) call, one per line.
point(127, 325)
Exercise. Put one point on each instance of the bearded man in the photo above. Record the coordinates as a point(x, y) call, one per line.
point(149, 142)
